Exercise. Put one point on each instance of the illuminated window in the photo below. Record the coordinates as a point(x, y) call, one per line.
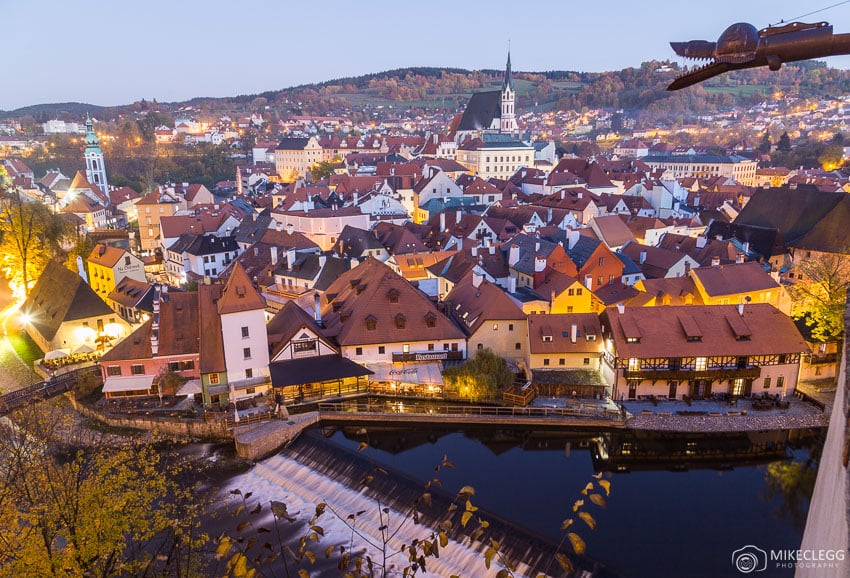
point(634, 364)
point(701, 364)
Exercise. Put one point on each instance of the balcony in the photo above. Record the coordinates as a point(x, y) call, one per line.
point(686, 374)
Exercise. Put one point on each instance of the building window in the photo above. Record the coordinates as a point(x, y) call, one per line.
point(371, 324)
point(454, 346)
point(578, 291)
point(601, 261)
point(495, 327)
point(358, 351)
point(249, 373)
point(546, 361)
point(245, 332)
point(213, 378)
point(137, 369)
point(562, 361)
point(701, 364)
point(766, 382)
point(381, 350)
point(634, 364)
point(510, 326)
point(246, 352)
point(113, 370)
point(780, 381)
point(480, 346)
point(517, 345)
point(445, 346)
point(586, 361)
point(570, 292)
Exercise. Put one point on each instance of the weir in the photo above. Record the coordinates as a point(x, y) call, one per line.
point(317, 469)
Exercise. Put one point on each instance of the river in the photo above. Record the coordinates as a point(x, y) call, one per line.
point(679, 505)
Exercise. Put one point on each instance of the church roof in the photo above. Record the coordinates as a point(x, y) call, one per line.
point(482, 108)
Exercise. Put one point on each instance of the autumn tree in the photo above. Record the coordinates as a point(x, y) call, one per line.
point(72, 504)
point(29, 237)
point(479, 377)
point(831, 157)
point(820, 292)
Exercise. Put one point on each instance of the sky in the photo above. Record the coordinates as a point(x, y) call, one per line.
point(114, 52)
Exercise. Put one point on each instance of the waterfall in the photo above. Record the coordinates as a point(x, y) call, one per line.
point(315, 470)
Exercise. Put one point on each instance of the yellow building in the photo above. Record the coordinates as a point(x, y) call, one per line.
point(107, 266)
point(293, 157)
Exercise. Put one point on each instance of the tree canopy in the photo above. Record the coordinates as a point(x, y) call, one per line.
point(820, 294)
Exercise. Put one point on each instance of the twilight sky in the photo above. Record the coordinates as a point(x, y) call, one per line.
point(112, 52)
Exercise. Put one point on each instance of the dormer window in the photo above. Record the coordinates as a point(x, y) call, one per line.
point(400, 321)
point(547, 339)
point(431, 320)
point(392, 295)
point(371, 323)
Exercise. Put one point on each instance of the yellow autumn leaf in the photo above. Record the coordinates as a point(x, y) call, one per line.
point(606, 485)
point(587, 488)
point(567, 523)
point(597, 499)
point(464, 519)
point(467, 491)
point(588, 519)
point(564, 562)
point(597, 476)
point(578, 544)
point(577, 505)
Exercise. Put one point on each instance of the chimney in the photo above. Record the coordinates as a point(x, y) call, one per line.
point(537, 247)
point(715, 261)
point(572, 237)
point(562, 194)
point(621, 308)
point(573, 332)
point(278, 226)
point(580, 195)
point(513, 255)
point(511, 284)
point(588, 282)
point(459, 216)
point(477, 279)
point(322, 260)
point(701, 241)
point(642, 257)
point(443, 222)
point(549, 216)
point(739, 258)
point(475, 251)
point(273, 251)
point(317, 309)
point(740, 308)
point(290, 259)
point(154, 342)
point(290, 228)
point(355, 198)
point(746, 247)
point(491, 248)
point(256, 251)
point(539, 264)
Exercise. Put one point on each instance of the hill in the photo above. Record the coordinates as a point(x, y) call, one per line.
point(409, 91)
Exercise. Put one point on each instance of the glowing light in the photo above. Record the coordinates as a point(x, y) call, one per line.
point(25, 318)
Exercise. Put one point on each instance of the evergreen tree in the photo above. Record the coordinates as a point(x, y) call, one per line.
point(765, 145)
point(784, 143)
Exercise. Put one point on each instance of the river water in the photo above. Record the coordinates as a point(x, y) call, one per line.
point(679, 505)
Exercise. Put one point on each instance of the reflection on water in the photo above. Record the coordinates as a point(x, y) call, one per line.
point(679, 505)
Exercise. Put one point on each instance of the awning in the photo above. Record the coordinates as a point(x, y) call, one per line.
point(191, 387)
point(56, 354)
point(132, 383)
point(314, 370)
point(429, 372)
point(83, 349)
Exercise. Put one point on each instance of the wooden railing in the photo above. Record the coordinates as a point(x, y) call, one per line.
point(384, 408)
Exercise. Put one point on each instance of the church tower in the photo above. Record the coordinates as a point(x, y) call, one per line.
point(95, 168)
point(508, 119)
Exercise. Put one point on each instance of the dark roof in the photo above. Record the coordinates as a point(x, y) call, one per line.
point(806, 218)
point(209, 245)
point(293, 144)
point(583, 249)
point(481, 109)
point(251, 230)
point(60, 295)
point(313, 369)
point(355, 242)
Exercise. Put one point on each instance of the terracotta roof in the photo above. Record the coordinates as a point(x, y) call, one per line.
point(239, 293)
point(178, 331)
point(671, 291)
point(132, 293)
point(472, 306)
point(553, 333)
point(364, 305)
point(104, 255)
point(662, 331)
point(734, 278)
point(211, 341)
point(613, 230)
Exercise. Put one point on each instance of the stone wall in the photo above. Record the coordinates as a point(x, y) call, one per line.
point(185, 428)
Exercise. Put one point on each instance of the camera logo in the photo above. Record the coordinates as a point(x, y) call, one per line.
point(750, 559)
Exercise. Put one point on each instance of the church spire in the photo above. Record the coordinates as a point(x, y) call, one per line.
point(509, 79)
